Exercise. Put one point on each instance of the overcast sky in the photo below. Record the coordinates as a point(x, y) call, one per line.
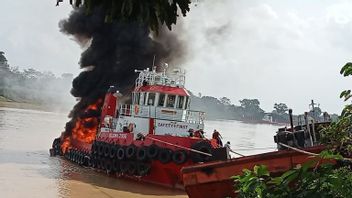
point(287, 51)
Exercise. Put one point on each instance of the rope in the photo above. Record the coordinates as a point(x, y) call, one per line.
point(237, 153)
point(253, 149)
point(306, 152)
point(298, 150)
point(189, 149)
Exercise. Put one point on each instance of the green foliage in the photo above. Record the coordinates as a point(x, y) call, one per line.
point(150, 12)
point(308, 180)
point(338, 135)
point(251, 109)
point(280, 108)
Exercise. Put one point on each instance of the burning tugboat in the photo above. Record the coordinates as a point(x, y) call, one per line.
point(150, 139)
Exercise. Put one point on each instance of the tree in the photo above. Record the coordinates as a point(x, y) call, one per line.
point(225, 101)
point(280, 108)
point(150, 12)
point(3, 61)
point(250, 104)
point(251, 109)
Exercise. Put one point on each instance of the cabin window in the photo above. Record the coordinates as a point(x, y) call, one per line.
point(142, 98)
point(136, 98)
point(180, 102)
point(161, 100)
point(151, 99)
point(171, 101)
point(187, 102)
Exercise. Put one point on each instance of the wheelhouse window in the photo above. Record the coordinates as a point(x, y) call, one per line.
point(171, 99)
point(151, 99)
point(161, 100)
point(180, 101)
point(142, 98)
point(187, 102)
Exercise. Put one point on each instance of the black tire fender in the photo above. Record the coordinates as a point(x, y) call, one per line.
point(143, 168)
point(101, 149)
point(108, 166)
point(179, 157)
point(131, 151)
point(153, 151)
point(142, 154)
point(165, 155)
point(120, 153)
point(124, 167)
point(132, 168)
point(107, 148)
point(116, 165)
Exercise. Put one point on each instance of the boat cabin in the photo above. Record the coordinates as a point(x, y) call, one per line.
point(160, 106)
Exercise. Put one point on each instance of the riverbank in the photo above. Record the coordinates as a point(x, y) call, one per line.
point(8, 103)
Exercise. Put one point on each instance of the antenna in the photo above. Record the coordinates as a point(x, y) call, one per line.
point(154, 67)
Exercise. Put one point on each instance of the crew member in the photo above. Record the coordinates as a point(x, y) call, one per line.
point(228, 149)
point(190, 131)
point(199, 133)
point(218, 137)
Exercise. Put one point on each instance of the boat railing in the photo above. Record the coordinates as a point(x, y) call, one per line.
point(195, 117)
point(175, 78)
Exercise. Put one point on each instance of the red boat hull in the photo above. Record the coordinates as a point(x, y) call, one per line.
point(213, 179)
point(164, 174)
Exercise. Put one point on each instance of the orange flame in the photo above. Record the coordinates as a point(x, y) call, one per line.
point(84, 130)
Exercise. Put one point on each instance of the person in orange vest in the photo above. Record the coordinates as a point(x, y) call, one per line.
point(214, 143)
point(218, 137)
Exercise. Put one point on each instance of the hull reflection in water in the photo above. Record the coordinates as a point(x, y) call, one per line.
point(26, 170)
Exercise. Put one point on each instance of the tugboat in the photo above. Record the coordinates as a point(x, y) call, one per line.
point(150, 140)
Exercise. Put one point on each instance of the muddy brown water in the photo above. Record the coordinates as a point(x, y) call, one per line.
point(26, 170)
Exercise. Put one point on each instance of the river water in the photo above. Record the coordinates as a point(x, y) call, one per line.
point(26, 170)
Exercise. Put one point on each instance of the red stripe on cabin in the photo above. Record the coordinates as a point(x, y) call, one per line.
point(164, 89)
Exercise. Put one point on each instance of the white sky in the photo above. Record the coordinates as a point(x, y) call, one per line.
point(274, 50)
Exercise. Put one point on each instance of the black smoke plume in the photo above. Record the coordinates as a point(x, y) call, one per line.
point(115, 50)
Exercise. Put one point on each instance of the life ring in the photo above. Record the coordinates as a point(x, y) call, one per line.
point(179, 157)
point(136, 109)
point(203, 146)
point(131, 151)
point(120, 153)
point(143, 169)
point(142, 154)
point(153, 151)
point(165, 155)
point(132, 168)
